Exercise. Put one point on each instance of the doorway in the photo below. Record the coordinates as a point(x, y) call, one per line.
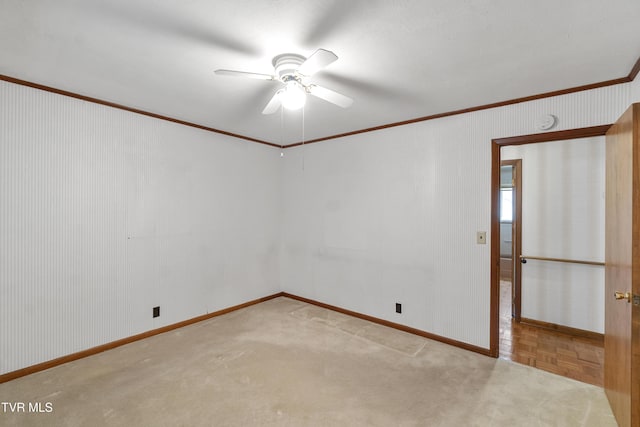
point(540, 346)
point(510, 235)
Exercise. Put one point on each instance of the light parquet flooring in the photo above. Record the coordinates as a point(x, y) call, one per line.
point(574, 357)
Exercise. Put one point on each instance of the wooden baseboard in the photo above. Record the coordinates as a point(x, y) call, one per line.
point(108, 346)
point(424, 334)
point(567, 330)
point(111, 345)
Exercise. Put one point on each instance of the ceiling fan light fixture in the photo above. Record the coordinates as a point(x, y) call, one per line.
point(294, 71)
point(293, 96)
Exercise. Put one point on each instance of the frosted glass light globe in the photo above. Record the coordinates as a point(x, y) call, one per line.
point(293, 96)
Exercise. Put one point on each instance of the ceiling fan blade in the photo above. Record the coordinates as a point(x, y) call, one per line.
point(377, 89)
point(164, 21)
point(244, 74)
point(330, 96)
point(332, 19)
point(316, 62)
point(273, 105)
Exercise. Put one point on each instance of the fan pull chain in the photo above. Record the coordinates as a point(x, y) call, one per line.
point(303, 108)
point(281, 131)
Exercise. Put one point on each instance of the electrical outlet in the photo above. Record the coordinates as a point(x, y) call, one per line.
point(398, 307)
point(481, 237)
point(156, 311)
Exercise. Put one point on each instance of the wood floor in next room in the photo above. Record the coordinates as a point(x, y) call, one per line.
point(574, 357)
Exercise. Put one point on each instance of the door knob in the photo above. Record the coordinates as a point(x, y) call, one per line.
point(622, 295)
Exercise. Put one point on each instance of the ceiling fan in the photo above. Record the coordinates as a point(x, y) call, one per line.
point(294, 71)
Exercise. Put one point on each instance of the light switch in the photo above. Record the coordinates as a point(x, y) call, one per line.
point(481, 237)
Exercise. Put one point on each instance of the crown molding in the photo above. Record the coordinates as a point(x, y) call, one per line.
point(130, 109)
point(628, 78)
point(633, 73)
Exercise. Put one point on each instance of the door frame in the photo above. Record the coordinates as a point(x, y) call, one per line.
point(516, 237)
point(496, 144)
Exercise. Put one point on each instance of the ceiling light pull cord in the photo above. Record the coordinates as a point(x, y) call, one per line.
point(281, 131)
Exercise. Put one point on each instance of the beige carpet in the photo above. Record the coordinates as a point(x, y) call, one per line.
point(287, 363)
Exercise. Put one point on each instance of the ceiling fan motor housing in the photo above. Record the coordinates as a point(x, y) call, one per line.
point(286, 65)
point(294, 70)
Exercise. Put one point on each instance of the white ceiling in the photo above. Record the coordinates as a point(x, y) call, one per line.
point(399, 59)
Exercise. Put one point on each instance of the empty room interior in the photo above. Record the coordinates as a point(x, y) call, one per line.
point(320, 213)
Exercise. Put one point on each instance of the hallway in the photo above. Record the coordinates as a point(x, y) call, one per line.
point(574, 357)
